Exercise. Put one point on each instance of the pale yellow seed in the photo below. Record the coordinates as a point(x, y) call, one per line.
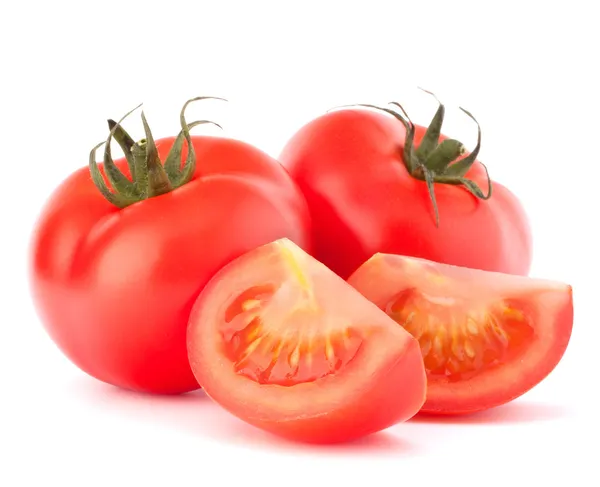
point(329, 354)
point(269, 344)
point(430, 324)
point(454, 339)
point(409, 319)
point(250, 304)
point(500, 332)
point(309, 347)
point(277, 351)
point(346, 338)
point(515, 314)
point(503, 334)
point(251, 348)
point(425, 346)
point(295, 357)
point(254, 333)
point(414, 327)
point(472, 326)
point(438, 345)
point(452, 365)
point(469, 349)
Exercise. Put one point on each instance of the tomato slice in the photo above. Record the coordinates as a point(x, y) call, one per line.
point(486, 337)
point(285, 344)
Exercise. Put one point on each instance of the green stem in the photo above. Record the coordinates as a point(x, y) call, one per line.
point(149, 177)
point(125, 142)
point(432, 135)
point(158, 181)
point(138, 152)
point(434, 161)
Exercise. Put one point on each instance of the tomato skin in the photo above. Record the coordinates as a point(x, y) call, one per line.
point(444, 400)
point(548, 303)
point(362, 199)
point(114, 287)
point(382, 385)
point(369, 414)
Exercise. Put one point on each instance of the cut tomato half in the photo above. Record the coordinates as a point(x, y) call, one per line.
point(286, 345)
point(486, 338)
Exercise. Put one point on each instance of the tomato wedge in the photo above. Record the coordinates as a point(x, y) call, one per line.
point(486, 337)
point(286, 345)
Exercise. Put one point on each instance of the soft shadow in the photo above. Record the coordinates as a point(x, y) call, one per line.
point(181, 411)
point(382, 443)
point(196, 414)
point(511, 413)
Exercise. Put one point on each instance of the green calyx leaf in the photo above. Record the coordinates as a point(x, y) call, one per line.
point(148, 176)
point(434, 161)
point(447, 151)
point(432, 135)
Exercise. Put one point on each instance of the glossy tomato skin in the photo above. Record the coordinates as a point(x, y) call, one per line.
point(114, 287)
point(362, 200)
point(532, 347)
point(382, 384)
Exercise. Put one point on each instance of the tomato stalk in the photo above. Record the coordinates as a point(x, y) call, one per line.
point(434, 161)
point(149, 176)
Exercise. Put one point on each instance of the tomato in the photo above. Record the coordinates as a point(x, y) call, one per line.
point(378, 183)
point(286, 345)
point(486, 337)
point(114, 281)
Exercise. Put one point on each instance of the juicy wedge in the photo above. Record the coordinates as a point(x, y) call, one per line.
point(286, 345)
point(486, 338)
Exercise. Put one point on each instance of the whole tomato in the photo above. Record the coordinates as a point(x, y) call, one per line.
point(376, 182)
point(115, 271)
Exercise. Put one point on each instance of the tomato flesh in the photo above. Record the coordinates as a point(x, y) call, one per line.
point(485, 337)
point(283, 343)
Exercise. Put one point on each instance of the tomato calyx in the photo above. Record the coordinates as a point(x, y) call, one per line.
point(434, 161)
point(149, 176)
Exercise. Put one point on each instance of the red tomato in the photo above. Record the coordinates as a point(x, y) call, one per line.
point(114, 286)
point(486, 337)
point(286, 345)
point(364, 196)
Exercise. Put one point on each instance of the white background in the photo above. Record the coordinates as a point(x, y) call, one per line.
point(527, 70)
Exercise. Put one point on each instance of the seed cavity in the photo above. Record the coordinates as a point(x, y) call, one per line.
point(274, 348)
point(469, 350)
point(458, 342)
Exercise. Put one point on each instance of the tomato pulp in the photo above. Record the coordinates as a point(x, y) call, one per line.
point(351, 165)
point(486, 338)
point(114, 286)
point(286, 345)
